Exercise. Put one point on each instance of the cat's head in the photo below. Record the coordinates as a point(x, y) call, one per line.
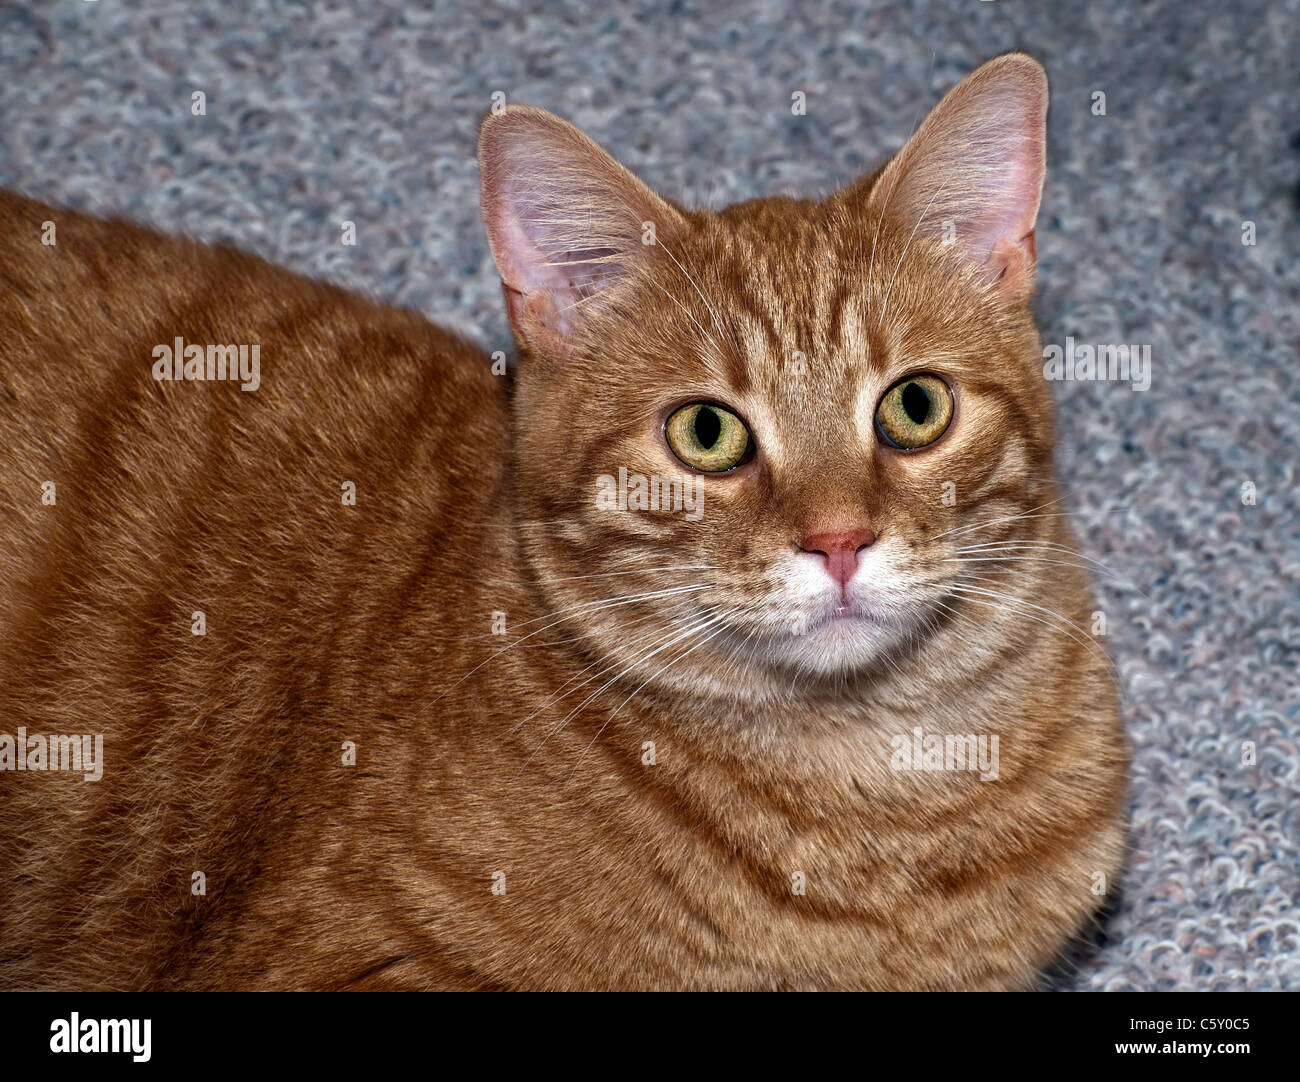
point(824, 393)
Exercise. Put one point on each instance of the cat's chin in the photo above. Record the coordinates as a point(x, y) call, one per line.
point(844, 640)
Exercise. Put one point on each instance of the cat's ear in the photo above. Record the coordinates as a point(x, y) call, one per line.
point(973, 172)
point(565, 221)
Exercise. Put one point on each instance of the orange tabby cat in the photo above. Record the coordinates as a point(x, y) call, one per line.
point(731, 644)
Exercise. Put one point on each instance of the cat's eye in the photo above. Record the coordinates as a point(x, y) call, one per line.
point(708, 438)
point(915, 411)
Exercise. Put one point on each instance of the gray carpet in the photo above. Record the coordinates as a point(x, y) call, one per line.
point(366, 110)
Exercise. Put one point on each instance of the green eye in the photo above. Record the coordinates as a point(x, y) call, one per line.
point(707, 437)
point(915, 411)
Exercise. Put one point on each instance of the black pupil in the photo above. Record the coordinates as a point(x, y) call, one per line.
point(916, 403)
point(708, 427)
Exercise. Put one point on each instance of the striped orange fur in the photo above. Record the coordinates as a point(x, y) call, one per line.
point(592, 747)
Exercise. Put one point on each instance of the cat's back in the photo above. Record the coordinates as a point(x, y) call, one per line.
point(86, 305)
point(153, 387)
point(200, 570)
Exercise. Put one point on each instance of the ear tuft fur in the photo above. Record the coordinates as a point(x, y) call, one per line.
point(565, 221)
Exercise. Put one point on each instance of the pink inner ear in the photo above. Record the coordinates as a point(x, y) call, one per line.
point(1003, 215)
point(534, 264)
point(525, 266)
point(1003, 239)
point(558, 248)
point(564, 219)
point(1011, 262)
point(978, 162)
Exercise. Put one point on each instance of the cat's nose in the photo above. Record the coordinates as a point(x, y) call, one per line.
point(840, 548)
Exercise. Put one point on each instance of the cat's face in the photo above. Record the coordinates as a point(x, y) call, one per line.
point(826, 393)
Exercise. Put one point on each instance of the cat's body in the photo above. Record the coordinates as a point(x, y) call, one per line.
point(602, 797)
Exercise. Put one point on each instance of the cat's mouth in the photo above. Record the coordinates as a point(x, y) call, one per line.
point(848, 613)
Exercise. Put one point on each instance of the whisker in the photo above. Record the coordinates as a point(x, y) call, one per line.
point(1029, 514)
point(958, 530)
point(614, 602)
point(573, 713)
point(605, 664)
point(1018, 546)
point(542, 644)
point(974, 594)
point(708, 638)
point(968, 588)
point(1083, 564)
point(694, 285)
point(956, 613)
point(688, 312)
point(1049, 514)
point(884, 306)
point(539, 522)
point(637, 571)
point(599, 606)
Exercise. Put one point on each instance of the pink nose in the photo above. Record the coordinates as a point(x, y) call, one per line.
point(840, 548)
